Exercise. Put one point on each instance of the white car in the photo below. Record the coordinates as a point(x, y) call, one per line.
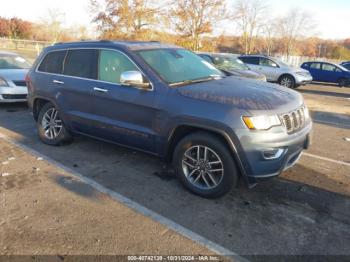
point(276, 71)
point(13, 70)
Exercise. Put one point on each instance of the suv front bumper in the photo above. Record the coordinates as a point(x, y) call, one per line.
point(13, 94)
point(254, 146)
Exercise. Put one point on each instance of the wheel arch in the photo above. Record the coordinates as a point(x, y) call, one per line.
point(184, 130)
point(286, 74)
point(38, 103)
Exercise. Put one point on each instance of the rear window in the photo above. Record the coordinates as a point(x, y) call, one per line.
point(252, 60)
point(81, 63)
point(53, 62)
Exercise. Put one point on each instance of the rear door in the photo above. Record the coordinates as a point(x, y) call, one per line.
point(315, 71)
point(75, 87)
point(123, 114)
point(269, 68)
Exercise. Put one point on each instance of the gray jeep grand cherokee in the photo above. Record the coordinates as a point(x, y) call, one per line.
point(169, 102)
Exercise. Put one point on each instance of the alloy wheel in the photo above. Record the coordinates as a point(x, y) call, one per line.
point(51, 123)
point(286, 81)
point(202, 167)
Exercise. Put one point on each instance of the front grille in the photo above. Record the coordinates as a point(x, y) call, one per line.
point(294, 120)
point(20, 83)
point(14, 96)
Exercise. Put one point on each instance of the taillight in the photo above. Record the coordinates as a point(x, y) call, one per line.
point(28, 83)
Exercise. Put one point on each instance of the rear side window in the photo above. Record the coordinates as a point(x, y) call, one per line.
point(267, 62)
point(305, 65)
point(315, 66)
point(112, 65)
point(53, 62)
point(81, 63)
point(252, 60)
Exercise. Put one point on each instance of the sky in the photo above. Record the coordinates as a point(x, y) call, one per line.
point(331, 17)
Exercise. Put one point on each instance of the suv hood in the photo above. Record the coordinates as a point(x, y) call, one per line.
point(244, 94)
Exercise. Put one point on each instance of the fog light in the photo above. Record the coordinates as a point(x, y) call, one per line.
point(273, 153)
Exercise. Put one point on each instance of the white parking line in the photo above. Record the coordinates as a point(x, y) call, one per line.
point(134, 205)
point(326, 159)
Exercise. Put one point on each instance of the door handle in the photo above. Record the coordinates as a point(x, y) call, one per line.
point(58, 82)
point(97, 89)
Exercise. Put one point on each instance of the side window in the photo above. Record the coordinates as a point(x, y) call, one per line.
point(306, 65)
point(112, 64)
point(328, 67)
point(252, 60)
point(315, 66)
point(267, 62)
point(81, 63)
point(53, 62)
point(338, 70)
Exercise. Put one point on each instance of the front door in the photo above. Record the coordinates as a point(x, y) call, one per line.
point(123, 114)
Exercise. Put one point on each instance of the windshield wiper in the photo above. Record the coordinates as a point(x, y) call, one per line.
point(198, 80)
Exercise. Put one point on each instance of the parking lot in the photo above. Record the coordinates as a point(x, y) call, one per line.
point(305, 211)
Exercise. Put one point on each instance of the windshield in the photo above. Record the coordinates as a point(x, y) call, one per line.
point(228, 62)
point(343, 68)
point(179, 65)
point(13, 62)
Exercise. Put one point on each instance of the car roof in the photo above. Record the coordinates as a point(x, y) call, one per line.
point(131, 45)
point(213, 53)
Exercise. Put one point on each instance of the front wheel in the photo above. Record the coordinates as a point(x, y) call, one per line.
point(50, 126)
point(204, 165)
point(287, 81)
point(342, 82)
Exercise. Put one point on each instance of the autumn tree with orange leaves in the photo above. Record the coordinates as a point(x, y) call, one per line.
point(194, 18)
point(125, 19)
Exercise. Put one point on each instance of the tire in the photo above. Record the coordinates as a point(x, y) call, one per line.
point(58, 134)
point(342, 82)
point(200, 182)
point(287, 81)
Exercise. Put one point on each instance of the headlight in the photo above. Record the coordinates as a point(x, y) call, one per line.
point(303, 73)
point(261, 122)
point(3, 82)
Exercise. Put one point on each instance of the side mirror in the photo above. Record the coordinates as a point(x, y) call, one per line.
point(133, 78)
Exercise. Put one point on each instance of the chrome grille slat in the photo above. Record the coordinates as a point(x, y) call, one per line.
point(294, 120)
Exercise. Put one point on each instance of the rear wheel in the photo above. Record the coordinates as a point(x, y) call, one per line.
point(287, 81)
point(204, 165)
point(50, 126)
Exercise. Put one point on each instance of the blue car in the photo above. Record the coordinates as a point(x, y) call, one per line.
point(328, 72)
point(346, 65)
point(169, 102)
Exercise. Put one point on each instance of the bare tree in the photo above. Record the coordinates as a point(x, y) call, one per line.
point(195, 18)
point(51, 25)
point(124, 18)
point(292, 26)
point(249, 15)
point(269, 32)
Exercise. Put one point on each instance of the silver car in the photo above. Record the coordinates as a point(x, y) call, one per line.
point(13, 70)
point(276, 71)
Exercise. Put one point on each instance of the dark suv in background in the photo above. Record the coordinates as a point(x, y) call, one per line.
point(169, 102)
